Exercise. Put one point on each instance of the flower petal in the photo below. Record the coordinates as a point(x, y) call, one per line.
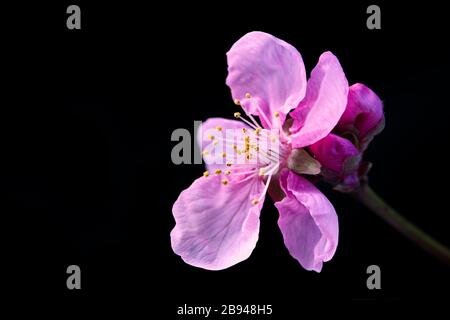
point(216, 225)
point(364, 114)
point(307, 221)
point(325, 101)
point(333, 152)
point(271, 71)
point(214, 153)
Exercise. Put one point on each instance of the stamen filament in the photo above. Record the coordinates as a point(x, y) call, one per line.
point(268, 182)
point(253, 120)
point(262, 115)
point(238, 116)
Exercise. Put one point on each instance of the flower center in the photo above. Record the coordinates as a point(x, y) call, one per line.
point(250, 152)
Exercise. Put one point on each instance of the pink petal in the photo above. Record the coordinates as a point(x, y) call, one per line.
point(307, 221)
point(214, 158)
point(271, 70)
point(216, 225)
point(325, 101)
point(333, 152)
point(364, 109)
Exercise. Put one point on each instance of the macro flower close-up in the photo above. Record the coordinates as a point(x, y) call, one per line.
point(226, 161)
point(308, 129)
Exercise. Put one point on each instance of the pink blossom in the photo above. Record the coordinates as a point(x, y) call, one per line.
point(340, 153)
point(217, 217)
point(363, 116)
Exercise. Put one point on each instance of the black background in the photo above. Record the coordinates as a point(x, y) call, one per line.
point(86, 122)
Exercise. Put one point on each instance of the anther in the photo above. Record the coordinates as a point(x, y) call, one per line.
point(218, 171)
point(255, 201)
point(237, 115)
point(224, 182)
point(206, 173)
point(237, 102)
point(248, 95)
point(227, 172)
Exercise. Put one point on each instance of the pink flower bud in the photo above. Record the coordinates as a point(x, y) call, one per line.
point(363, 117)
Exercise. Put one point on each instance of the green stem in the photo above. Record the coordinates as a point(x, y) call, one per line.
point(371, 200)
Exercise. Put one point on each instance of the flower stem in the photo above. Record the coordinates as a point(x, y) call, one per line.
point(365, 195)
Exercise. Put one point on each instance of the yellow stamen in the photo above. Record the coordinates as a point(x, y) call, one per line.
point(224, 155)
point(211, 137)
point(257, 131)
point(218, 128)
point(206, 174)
point(262, 171)
point(227, 172)
point(224, 182)
point(218, 171)
point(237, 102)
point(255, 201)
point(276, 114)
point(204, 152)
point(248, 95)
point(237, 115)
point(228, 164)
